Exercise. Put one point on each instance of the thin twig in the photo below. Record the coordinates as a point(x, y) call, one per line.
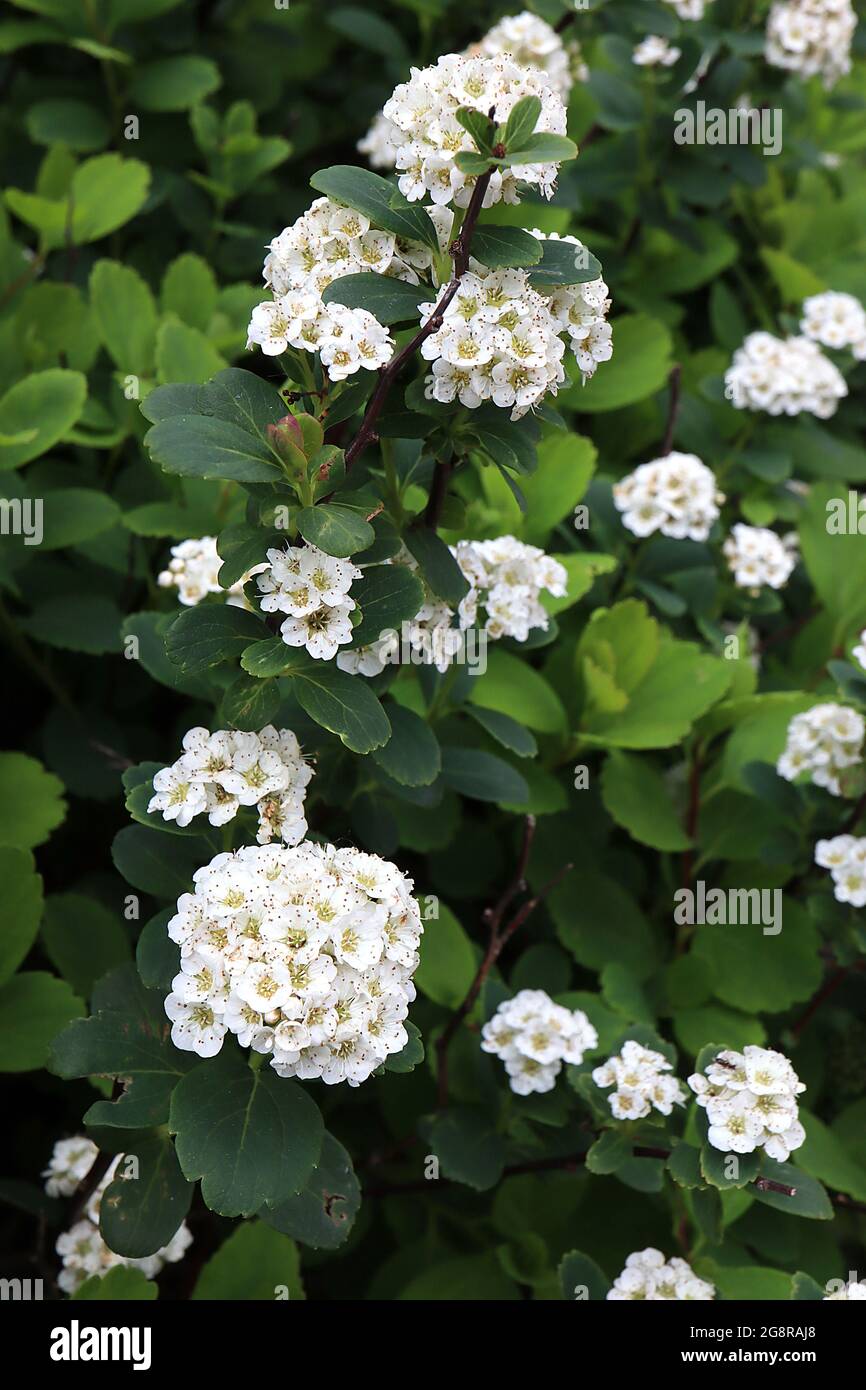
point(674, 383)
point(460, 259)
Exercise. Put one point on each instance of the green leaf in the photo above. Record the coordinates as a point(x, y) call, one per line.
point(38, 411)
point(202, 637)
point(342, 704)
point(240, 548)
point(67, 121)
point(580, 1278)
point(74, 515)
point(474, 773)
point(619, 102)
point(640, 366)
point(185, 354)
point(33, 1007)
point(173, 84)
point(249, 704)
point(521, 122)
point(410, 1056)
point(465, 1277)
point(756, 968)
point(513, 687)
point(335, 529)
point(448, 961)
point(805, 1288)
point(825, 1156)
point(251, 1136)
point(810, 1199)
point(468, 1148)
point(127, 1037)
point(541, 148)
point(563, 263)
point(388, 595)
point(202, 446)
point(106, 192)
point(436, 563)
point(77, 623)
point(271, 657)
point(83, 939)
point(505, 730)
point(684, 1165)
point(255, 1262)
point(479, 126)
point(388, 299)
point(156, 862)
point(369, 30)
point(505, 246)
point(611, 1151)
point(138, 1215)
point(637, 797)
point(125, 316)
point(189, 290)
point(377, 199)
point(411, 756)
point(120, 1284)
point(323, 1212)
point(20, 909)
point(31, 801)
point(727, 1170)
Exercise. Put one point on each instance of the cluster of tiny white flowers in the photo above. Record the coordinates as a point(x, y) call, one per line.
point(82, 1248)
point(313, 589)
point(306, 955)
point(649, 1277)
point(221, 772)
point(430, 633)
point(654, 51)
point(751, 1102)
point(581, 311)
point(845, 857)
point(638, 1075)
point(676, 495)
point(689, 9)
point(193, 571)
point(426, 134)
point(823, 741)
point(757, 556)
point(533, 43)
point(507, 578)
point(784, 376)
point(859, 652)
point(852, 1291)
point(811, 37)
point(324, 244)
point(835, 320)
point(533, 1037)
point(499, 341)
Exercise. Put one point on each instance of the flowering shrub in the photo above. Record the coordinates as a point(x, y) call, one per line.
point(434, 583)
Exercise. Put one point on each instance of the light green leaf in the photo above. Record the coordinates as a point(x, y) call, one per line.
point(38, 411)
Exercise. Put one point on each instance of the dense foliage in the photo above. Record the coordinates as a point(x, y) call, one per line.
point(628, 793)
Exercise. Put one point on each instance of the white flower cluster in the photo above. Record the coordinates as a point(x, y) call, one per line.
point(751, 1102)
point(193, 570)
point(648, 1276)
point(581, 311)
point(507, 578)
point(811, 37)
point(312, 588)
point(757, 556)
point(859, 652)
point(654, 51)
point(676, 495)
point(533, 1037)
point(324, 244)
point(221, 772)
point(852, 1291)
point(689, 9)
point(427, 134)
point(305, 955)
point(823, 741)
point(499, 341)
point(835, 321)
point(431, 633)
point(784, 376)
point(638, 1075)
point(533, 43)
point(528, 41)
point(749, 1098)
point(845, 857)
point(82, 1249)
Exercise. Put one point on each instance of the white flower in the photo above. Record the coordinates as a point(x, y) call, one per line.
point(852, 1291)
point(784, 376)
point(751, 1102)
point(533, 1036)
point(647, 1275)
point(859, 652)
point(313, 589)
point(221, 772)
point(689, 9)
point(193, 571)
point(655, 52)
point(82, 1249)
point(313, 951)
point(757, 556)
point(427, 136)
point(823, 741)
point(676, 494)
point(637, 1074)
point(507, 578)
point(835, 321)
point(845, 857)
point(811, 37)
